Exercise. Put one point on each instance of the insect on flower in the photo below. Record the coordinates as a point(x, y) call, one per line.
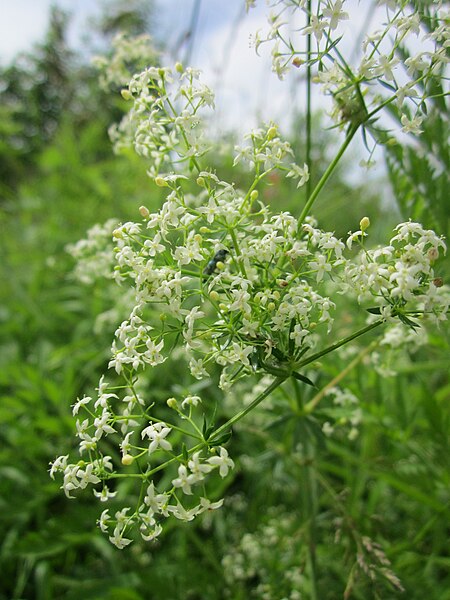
point(219, 256)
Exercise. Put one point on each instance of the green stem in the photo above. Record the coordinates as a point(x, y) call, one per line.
point(309, 490)
point(338, 344)
point(331, 167)
point(318, 397)
point(240, 415)
point(308, 104)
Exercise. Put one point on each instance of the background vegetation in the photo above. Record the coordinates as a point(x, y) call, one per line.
point(383, 495)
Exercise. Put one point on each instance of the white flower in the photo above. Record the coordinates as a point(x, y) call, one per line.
point(412, 125)
point(223, 461)
point(103, 520)
point(298, 334)
point(335, 14)
point(317, 27)
point(86, 476)
point(184, 480)
point(181, 513)
point(206, 504)
point(157, 432)
point(300, 173)
point(197, 468)
point(117, 538)
point(101, 425)
point(59, 464)
point(157, 503)
point(79, 403)
point(105, 494)
point(190, 401)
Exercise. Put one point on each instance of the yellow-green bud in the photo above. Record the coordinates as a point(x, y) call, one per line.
point(162, 317)
point(172, 403)
point(271, 306)
point(214, 296)
point(223, 306)
point(276, 295)
point(201, 181)
point(254, 195)
point(126, 94)
point(144, 212)
point(220, 265)
point(271, 133)
point(204, 229)
point(161, 182)
point(198, 238)
point(179, 67)
point(364, 223)
point(127, 459)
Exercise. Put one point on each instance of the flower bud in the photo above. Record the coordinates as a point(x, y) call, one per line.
point(254, 195)
point(172, 403)
point(127, 459)
point(364, 223)
point(201, 181)
point(126, 94)
point(145, 213)
point(204, 229)
point(220, 265)
point(438, 282)
point(198, 238)
point(161, 182)
point(271, 306)
point(214, 296)
point(179, 67)
point(272, 132)
point(298, 62)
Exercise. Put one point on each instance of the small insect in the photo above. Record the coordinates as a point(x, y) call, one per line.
point(219, 256)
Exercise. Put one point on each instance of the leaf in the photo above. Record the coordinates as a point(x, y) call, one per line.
point(388, 86)
point(222, 440)
point(303, 378)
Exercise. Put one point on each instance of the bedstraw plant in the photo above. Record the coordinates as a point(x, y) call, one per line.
point(221, 285)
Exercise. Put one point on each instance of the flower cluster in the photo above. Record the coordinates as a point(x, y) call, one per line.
point(240, 290)
point(401, 274)
point(351, 86)
point(130, 54)
point(151, 448)
point(93, 255)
